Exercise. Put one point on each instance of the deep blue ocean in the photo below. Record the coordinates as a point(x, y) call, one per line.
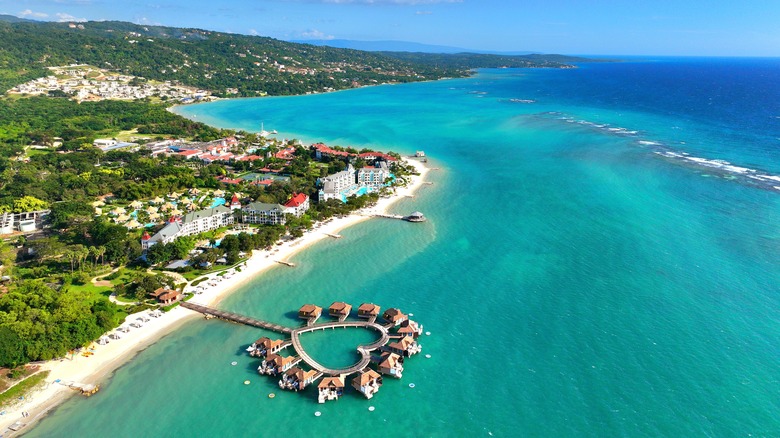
point(601, 258)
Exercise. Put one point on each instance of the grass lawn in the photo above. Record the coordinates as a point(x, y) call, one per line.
point(22, 388)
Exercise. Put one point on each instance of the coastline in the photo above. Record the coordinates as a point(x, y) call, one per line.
point(107, 358)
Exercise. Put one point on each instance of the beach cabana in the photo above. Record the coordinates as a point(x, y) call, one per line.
point(176, 212)
point(151, 209)
point(98, 204)
point(122, 218)
point(194, 191)
point(174, 195)
point(167, 206)
point(157, 200)
point(219, 193)
point(135, 205)
point(133, 224)
point(154, 217)
point(118, 211)
point(185, 201)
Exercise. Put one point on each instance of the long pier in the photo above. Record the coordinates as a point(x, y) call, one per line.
point(364, 350)
point(235, 317)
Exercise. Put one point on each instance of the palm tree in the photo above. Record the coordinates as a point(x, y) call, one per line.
point(101, 251)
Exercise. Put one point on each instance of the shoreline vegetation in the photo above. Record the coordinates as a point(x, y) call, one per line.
point(95, 368)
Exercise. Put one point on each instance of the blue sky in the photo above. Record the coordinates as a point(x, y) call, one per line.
point(610, 27)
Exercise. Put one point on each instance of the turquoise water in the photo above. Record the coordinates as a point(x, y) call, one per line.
point(217, 202)
point(575, 281)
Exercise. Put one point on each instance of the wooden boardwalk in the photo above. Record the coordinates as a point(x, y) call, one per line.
point(364, 350)
point(235, 317)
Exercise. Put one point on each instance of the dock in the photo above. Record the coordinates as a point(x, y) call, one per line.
point(403, 345)
point(364, 350)
point(234, 317)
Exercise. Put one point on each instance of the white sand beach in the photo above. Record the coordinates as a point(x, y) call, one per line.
point(105, 359)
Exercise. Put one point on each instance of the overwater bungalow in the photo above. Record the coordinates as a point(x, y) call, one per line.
point(391, 364)
point(310, 313)
point(331, 388)
point(394, 316)
point(340, 310)
point(410, 328)
point(275, 364)
point(265, 346)
point(367, 382)
point(415, 217)
point(369, 311)
point(406, 346)
point(296, 379)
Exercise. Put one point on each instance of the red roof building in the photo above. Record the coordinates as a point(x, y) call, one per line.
point(297, 205)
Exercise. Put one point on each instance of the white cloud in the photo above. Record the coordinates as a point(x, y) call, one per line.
point(30, 13)
point(423, 13)
point(253, 32)
point(317, 35)
point(62, 16)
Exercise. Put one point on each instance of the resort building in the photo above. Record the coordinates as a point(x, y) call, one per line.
point(406, 346)
point(25, 222)
point(275, 364)
point(373, 177)
point(367, 382)
point(235, 203)
point(394, 316)
point(369, 311)
point(339, 186)
point(296, 379)
point(192, 223)
point(340, 310)
point(391, 364)
point(310, 313)
point(351, 182)
point(331, 388)
point(262, 213)
point(265, 346)
point(297, 205)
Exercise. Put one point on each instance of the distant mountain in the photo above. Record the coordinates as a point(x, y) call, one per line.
point(228, 64)
point(400, 46)
point(13, 19)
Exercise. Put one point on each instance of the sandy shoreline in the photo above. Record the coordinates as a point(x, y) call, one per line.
point(107, 358)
